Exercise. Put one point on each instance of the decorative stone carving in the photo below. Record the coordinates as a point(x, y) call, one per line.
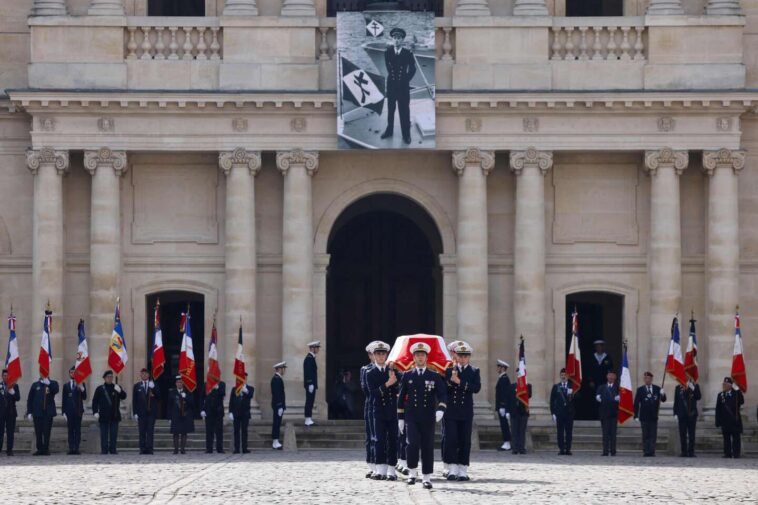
point(239, 124)
point(724, 124)
point(473, 124)
point(240, 156)
point(531, 124)
point(665, 7)
point(285, 159)
point(298, 124)
point(666, 124)
point(106, 124)
point(240, 8)
point(47, 124)
point(531, 157)
point(473, 156)
point(46, 155)
point(530, 8)
point(106, 158)
point(666, 157)
point(723, 158)
point(49, 8)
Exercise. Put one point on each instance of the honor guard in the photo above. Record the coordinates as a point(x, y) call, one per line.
point(685, 410)
point(106, 407)
point(239, 413)
point(608, 399)
point(310, 380)
point(278, 402)
point(518, 416)
point(213, 413)
point(40, 408)
point(463, 381)
point(502, 392)
point(647, 403)
point(8, 398)
point(383, 388)
point(73, 409)
point(728, 417)
point(145, 409)
point(421, 402)
point(562, 409)
point(367, 411)
point(181, 412)
point(451, 347)
point(600, 364)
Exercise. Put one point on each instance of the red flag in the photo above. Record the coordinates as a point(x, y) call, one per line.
point(626, 398)
point(690, 357)
point(738, 360)
point(45, 349)
point(117, 355)
point(522, 388)
point(574, 358)
point(159, 355)
point(674, 361)
point(213, 376)
point(239, 365)
point(12, 359)
point(187, 355)
point(82, 368)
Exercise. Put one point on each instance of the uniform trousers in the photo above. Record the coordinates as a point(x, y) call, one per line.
point(420, 438)
point(457, 450)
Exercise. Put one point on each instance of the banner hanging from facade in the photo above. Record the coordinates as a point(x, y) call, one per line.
point(385, 80)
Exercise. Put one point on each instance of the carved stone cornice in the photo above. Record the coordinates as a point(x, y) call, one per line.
point(105, 157)
point(240, 157)
point(286, 159)
point(473, 156)
point(46, 156)
point(723, 158)
point(666, 157)
point(531, 157)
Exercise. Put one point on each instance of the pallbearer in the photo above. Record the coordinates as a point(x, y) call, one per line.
point(728, 417)
point(502, 393)
point(562, 409)
point(145, 409)
point(213, 413)
point(278, 402)
point(463, 381)
point(367, 419)
point(9, 395)
point(451, 347)
point(647, 403)
point(685, 410)
point(73, 409)
point(310, 380)
point(106, 407)
point(181, 412)
point(383, 388)
point(239, 413)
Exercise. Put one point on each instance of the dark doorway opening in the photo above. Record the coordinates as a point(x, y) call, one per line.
point(384, 280)
point(176, 8)
point(581, 8)
point(173, 303)
point(601, 316)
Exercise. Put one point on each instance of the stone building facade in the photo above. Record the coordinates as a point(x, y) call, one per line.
point(600, 162)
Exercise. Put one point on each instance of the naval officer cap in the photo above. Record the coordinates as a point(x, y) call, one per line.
point(420, 347)
point(502, 363)
point(107, 373)
point(452, 346)
point(464, 348)
point(315, 343)
point(281, 364)
point(599, 341)
point(728, 380)
point(381, 347)
point(397, 32)
point(72, 369)
point(178, 377)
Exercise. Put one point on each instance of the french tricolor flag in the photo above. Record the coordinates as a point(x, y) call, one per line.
point(45, 350)
point(574, 358)
point(690, 357)
point(82, 368)
point(626, 400)
point(674, 360)
point(738, 359)
point(213, 376)
point(159, 355)
point(522, 387)
point(239, 364)
point(187, 354)
point(12, 359)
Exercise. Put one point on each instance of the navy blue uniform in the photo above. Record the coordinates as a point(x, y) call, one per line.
point(8, 414)
point(40, 403)
point(608, 410)
point(73, 408)
point(278, 401)
point(239, 407)
point(401, 67)
point(106, 403)
point(685, 410)
point(459, 416)
point(145, 407)
point(383, 414)
point(181, 411)
point(519, 418)
point(310, 378)
point(420, 396)
point(562, 407)
point(728, 418)
point(647, 402)
point(502, 393)
point(213, 405)
point(367, 413)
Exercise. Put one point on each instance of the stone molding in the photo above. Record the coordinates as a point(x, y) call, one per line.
point(531, 157)
point(664, 158)
point(473, 156)
point(105, 157)
point(723, 158)
point(47, 156)
point(240, 157)
point(286, 159)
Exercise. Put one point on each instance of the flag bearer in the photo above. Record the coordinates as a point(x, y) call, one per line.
point(502, 392)
point(647, 403)
point(728, 417)
point(278, 402)
point(145, 409)
point(40, 408)
point(421, 402)
point(213, 413)
point(239, 413)
point(518, 416)
point(608, 398)
point(382, 383)
point(73, 410)
point(685, 410)
point(367, 411)
point(562, 409)
point(310, 380)
point(463, 381)
point(8, 398)
point(106, 407)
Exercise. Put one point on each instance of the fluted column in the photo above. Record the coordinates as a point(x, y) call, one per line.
point(240, 168)
point(530, 167)
point(240, 8)
point(472, 8)
point(49, 8)
point(665, 7)
point(297, 167)
point(665, 267)
point(530, 8)
point(723, 7)
point(298, 8)
point(47, 166)
point(106, 8)
point(472, 166)
point(106, 168)
point(722, 263)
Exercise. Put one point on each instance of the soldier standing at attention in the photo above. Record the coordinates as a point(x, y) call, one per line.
point(463, 381)
point(213, 413)
point(145, 409)
point(608, 398)
point(181, 412)
point(383, 388)
point(40, 408)
point(106, 406)
point(278, 402)
point(562, 409)
point(8, 398)
point(310, 380)
point(502, 392)
point(73, 410)
point(599, 365)
point(367, 419)
point(685, 410)
point(239, 413)
point(421, 402)
point(728, 417)
point(401, 67)
point(518, 415)
point(647, 403)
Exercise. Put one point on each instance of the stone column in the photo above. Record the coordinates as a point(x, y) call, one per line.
point(47, 166)
point(472, 8)
point(298, 8)
point(665, 7)
point(723, 7)
point(530, 167)
point(530, 8)
point(106, 168)
point(240, 8)
point(240, 168)
point(722, 264)
point(473, 166)
point(106, 8)
point(297, 167)
point(665, 267)
point(49, 8)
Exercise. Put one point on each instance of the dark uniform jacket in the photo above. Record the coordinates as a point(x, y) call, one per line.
point(421, 395)
point(561, 401)
point(515, 406)
point(181, 411)
point(364, 385)
point(310, 371)
point(383, 399)
point(145, 400)
point(502, 392)
point(41, 399)
point(73, 400)
point(8, 399)
point(647, 404)
point(213, 402)
point(460, 397)
point(685, 401)
point(728, 416)
point(599, 371)
point(106, 402)
point(239, 405)
point(400, 70)
point(609, 407)
point(277, 393)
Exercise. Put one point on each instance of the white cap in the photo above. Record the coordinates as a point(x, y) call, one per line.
point(421, 347)
point(464, 348)
point(281, 364)
point(381, 346)
point(503, 363)
point(315, 343)
point(452, 346)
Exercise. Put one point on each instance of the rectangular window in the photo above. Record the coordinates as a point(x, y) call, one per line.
point(176, 8)
point(334, 6)
point(582, 8)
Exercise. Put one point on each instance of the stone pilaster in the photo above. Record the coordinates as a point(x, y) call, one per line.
point(106, 168)
point(49, 8)
point(722, 264)
point(298, 8)
point(472, 8)
point(297, 167)
point(240, 8)
point(665, 7)
point(48, 166)
point(530, 167)
point(530, 8)
point(106, 8)
point(723, 7)
point(472, 166)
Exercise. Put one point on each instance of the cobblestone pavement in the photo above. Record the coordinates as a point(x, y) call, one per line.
point(337, 477)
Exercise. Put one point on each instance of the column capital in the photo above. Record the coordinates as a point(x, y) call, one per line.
point(530, 8)
point(49, 8)
point(106, 8)
point(723, 158)
point(472, 8)
point(665, 7)
point(105, 157)
point(723, 7)
point(286, 159)
point(531, 157)
point(298, 8)
point(240, 8)
point(666, 157)
point(240, 157)
point(46, 156)
point(473, 156)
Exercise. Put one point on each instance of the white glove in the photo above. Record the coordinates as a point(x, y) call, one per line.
point(310, 389)
point(735, 387)
point(508, 416)
point(117, 388)
point(65, 417)
point(616, 398)
point(231, 416)
point(555, 419)
point(97, 415)
point(136, 417)
point(151, 384)
point(202, 414)
point(636, 419)
point(244, 390)
point(663, 393)
point(400, 425)
point(501, 412)
point(184, 395)
point(29, 417)
point(280, 412)
point(569, 391)
point(215, 387)
point(597, 397)
point(439, 415)
point(691, 385)
point(46, 381)
point(81, 388)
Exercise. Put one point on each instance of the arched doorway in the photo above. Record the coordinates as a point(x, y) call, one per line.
point(383, 280)
point(601, 316)
point(173, 303)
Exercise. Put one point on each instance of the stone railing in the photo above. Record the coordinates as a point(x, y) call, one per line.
point(182, 39)
point(597, 39)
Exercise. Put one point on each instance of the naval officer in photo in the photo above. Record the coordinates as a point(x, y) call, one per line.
point(401, 67)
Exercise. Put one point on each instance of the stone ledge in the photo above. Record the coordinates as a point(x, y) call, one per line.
point(694, 20)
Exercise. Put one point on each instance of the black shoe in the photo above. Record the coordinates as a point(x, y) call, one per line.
point(236, 451)
point(737, 456)
point(392, 478)
point(376, 477)
point(183, 451)
point(176, 451)
point(427, 485)
point(562, 453)
point(245, 451)
point(613, 453)
point(69, 453)
point(112, 452)
point(501, 449)
point(407, 140)
point(9, 453)
point(387, 134)
point(452, 477)
point(369, 474)
point(405, 471)
point(568, 453)
point(221, 452)
point(411, 481)
point(683, 455)
point(208, 452)
point(515, 452)
point(692, 455)
point(463, 478)
point(728, 456)
point(604, 454)
point(522, 451)
point(38, 453)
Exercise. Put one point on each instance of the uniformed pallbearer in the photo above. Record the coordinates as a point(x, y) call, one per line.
point(145, 410)
point(278, 402)
point(421, 402)
point(728, 417)
point(73, 410)
point(451, 347)
point(106, 406)
point(181, 411)
point(213, 413)
point(647, 403)
point(367, 420)
point(383, 388)
point(463, 381)
point(310, 380)
point(8, 413)
point(685, 410)
point(502, 392)
point(239, 413)
point(562, 409)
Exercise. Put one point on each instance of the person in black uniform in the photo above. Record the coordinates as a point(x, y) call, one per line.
point(145, 396)
point(383, 387)
point(421, 402)
point(502, 391)
point(8, 413)
point(40, 408)
point(239, 413)
point(401, 67)
point(685, 410)
point(367, 417)
point(278, 402)
point(310, 380)
point(728, 417)
point(562, 409)
point(599, 365)
point(213, 413)
point(451, 347)
point(73, 410)
point(647, 403)
point(518, 416)
point(181, 411)
point(463, 381)
point(106, 408)
point(608, 399)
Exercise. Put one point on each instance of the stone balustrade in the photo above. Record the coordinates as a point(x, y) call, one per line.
point(598, 39)
point(180, 39)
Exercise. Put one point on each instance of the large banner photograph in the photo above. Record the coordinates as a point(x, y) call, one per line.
point(385, 80)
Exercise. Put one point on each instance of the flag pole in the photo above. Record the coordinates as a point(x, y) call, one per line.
point(118, 311)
